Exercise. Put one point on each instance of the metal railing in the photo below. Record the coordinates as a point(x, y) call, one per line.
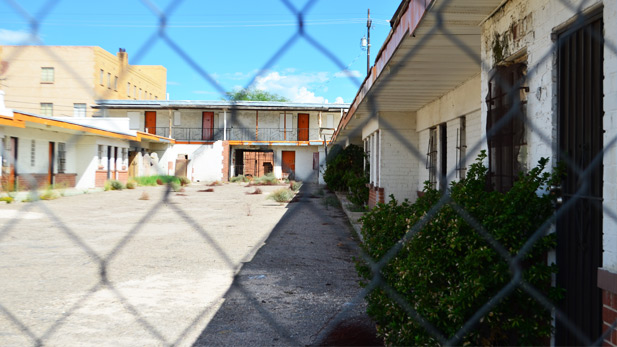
point(237, 134)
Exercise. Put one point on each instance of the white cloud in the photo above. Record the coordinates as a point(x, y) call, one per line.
point(339, 100)
point(295, 87)
point(12, 37)
point(348, 73)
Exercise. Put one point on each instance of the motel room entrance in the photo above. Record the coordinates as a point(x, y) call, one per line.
point(253, 162)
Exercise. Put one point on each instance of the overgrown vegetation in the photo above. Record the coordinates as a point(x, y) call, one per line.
point(281, 195)
point(265, 180)
point(295, 185)
point(447, 271)
point(156, 179)
point(113, 185)
point(239, 178)
point(345, 173)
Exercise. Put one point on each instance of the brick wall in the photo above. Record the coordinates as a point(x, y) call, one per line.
point(607, 282)
point(24, 181)
point(375, 195)
point(65, 179)
point(100, 177)
point(123, 176)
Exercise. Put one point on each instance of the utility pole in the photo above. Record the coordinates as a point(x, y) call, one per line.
point(368, 43)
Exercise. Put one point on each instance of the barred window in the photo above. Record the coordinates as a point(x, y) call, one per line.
point(505, 125)
point(61, 157)
point(33, 153)
point(431, 157)
point(461, 149)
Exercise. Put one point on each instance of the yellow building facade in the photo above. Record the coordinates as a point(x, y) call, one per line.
point(65, 81)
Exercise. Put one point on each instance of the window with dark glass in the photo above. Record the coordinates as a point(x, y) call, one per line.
point(505, 125)
point(431, 157)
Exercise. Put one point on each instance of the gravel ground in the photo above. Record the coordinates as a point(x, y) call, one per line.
point(132, 268)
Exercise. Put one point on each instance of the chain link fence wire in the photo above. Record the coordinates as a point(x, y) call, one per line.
point(374, 102)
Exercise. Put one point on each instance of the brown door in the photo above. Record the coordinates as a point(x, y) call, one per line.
point(151, 122)
point(182, 163)
point(132, 163)
point(289, 163)
point(50, 167)
point(303, 127)
point(207, 131)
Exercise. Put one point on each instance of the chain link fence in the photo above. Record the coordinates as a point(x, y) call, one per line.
point(438, 14)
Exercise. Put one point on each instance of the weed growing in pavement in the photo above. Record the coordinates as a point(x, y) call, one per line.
point(295, 185)
point(239, 178)
point(331, 201)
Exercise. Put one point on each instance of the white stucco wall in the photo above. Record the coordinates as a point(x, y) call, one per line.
point(304, 162)
point(536, 21)
point(464, 101)
point(205, 161)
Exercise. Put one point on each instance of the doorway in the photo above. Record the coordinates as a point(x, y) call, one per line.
point(288, 164)
point(50, 165)
point(303, 127)
point(151, 122)
point(207, 131)
point(579, 228)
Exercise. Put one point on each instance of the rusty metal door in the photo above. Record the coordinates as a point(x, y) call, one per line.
point(579, 227)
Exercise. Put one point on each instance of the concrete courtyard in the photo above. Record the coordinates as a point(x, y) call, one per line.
point(132, 267)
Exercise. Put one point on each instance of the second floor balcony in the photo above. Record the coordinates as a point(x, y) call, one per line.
point(237, 134)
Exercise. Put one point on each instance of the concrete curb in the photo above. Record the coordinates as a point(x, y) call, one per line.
point(352, 216)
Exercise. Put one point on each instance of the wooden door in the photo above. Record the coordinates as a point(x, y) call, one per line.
point(207, 132)
point(303, 127)
point(288, 164)
point(151, 122)
point(50, 166)
point(579, 226)
point(182, 163)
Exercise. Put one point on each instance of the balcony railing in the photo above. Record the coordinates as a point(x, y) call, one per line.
point(237, 134)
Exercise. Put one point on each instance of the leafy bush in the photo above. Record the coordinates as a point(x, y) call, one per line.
point(7, 199)
point(345, 173)
point(281, 195)
point(447, 270)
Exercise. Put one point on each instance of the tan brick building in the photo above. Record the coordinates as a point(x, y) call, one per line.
point(66, 80)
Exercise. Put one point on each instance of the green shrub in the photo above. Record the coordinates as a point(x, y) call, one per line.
point(345, 173)
point(239, 178)
point(49, 194)
point(156, 179)
point(184, 180)
point(447, 271)
point(113, 185)
point(266, 180)
point(7, 199)
point(295, 185)
point(281, 195)
point(131, 184)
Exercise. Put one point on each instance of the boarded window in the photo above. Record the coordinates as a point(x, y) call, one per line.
point(505, 125)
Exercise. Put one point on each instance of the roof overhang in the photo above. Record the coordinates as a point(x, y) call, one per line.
point(218, 105)
point(433, 47)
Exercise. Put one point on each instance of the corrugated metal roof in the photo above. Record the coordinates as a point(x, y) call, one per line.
point(217, 104)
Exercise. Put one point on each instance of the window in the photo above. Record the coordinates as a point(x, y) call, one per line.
point(443, 155)
point(505, 125)
point(79, 110)
point(61, 157)
point(139, 96)
point(128, 89)
point(33, 153)
point(431, 157)
point(124, 156)
point(461, 149)
point(47, 109)
point(115, 83)
point(101, 74)
point(47, 75)
point(285, 121)
point(109, 80)
point(100, 155)
point(134, 92)
point(145, 94)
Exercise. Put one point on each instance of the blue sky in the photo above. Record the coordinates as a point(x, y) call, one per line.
point(234, 42)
